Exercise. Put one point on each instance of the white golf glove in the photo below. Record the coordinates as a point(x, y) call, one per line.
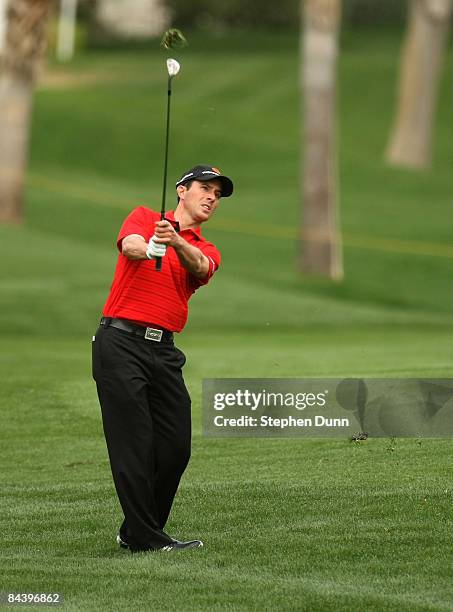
point(155, 249)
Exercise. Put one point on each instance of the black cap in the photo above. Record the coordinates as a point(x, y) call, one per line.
point(207, 173)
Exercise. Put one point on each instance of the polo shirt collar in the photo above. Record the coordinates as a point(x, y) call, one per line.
point(197, 231)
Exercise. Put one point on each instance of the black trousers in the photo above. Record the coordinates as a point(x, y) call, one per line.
point(147, 425)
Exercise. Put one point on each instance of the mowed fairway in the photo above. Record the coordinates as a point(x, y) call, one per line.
point(287, 523)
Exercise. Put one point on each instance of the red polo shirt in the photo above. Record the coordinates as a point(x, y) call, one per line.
point(141, 294)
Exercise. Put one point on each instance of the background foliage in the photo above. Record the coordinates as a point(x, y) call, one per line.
point(285, 13)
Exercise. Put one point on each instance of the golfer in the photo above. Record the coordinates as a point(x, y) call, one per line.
point(144, 402)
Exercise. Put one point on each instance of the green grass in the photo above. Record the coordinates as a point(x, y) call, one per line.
point(288, 524)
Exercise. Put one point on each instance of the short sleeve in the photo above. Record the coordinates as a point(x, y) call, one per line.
point(139, 221)
point(213, 255)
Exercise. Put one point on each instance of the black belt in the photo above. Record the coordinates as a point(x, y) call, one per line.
point(156, 334)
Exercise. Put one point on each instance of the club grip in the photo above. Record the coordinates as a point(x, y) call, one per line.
point(158, 264)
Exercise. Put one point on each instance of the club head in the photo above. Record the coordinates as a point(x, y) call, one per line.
point(173, 67)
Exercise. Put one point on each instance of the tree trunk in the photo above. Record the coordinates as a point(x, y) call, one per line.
point(66, 30)
point(25, 41)
point(320, 251)
point(3, 7)
point(423, 50)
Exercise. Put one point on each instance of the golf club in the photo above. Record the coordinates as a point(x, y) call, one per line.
point(173, 68)
point(171, 39)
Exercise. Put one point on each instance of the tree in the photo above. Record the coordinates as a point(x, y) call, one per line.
point(66, 30)
point(320, 251)
point(423, 50)
point(3, 6)
point(25, 42)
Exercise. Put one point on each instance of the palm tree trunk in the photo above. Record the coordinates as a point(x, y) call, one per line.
point(320, 251)
point(3, 7)
point(66, 30)
point(411, 139)
point(25, 41)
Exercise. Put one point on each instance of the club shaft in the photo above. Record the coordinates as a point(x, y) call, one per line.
point(167, 139)
point(164, 187)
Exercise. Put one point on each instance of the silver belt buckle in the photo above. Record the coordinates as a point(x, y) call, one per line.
point(153, 334)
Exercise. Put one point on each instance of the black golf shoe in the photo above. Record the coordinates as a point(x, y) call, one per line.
point(174, 546)
point(121, 542)
point(177, 545)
